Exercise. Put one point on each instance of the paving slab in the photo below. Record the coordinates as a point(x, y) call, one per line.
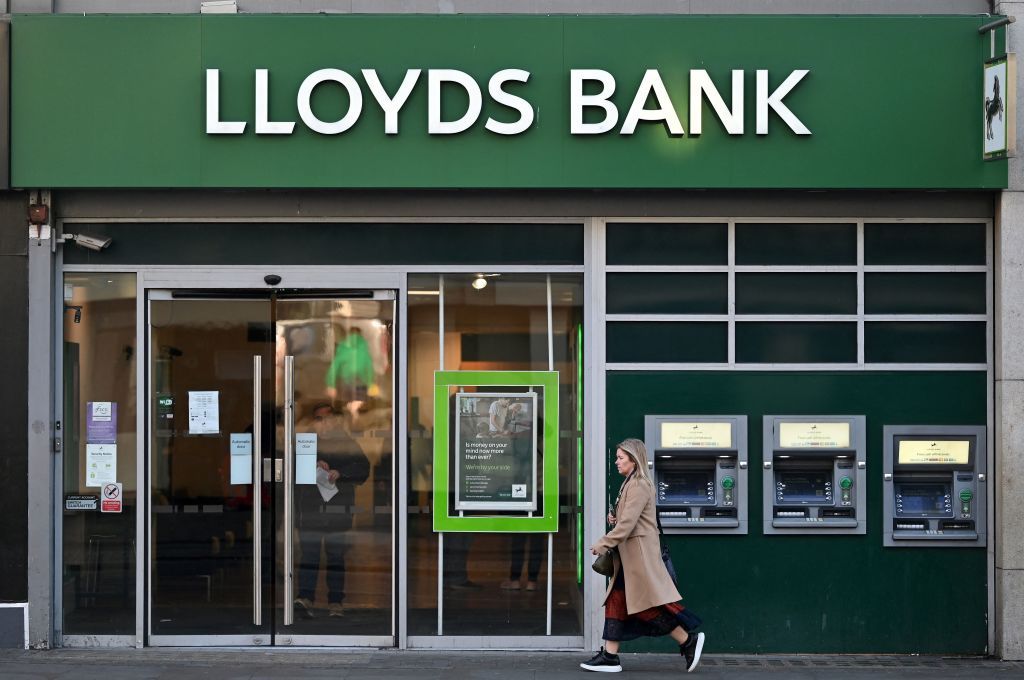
point(300, 664)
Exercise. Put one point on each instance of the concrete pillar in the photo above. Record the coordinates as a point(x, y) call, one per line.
point(1009, 382)
point(40, 437)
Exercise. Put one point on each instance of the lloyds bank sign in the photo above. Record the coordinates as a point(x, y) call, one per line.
point(498, 102)
point(589, 89)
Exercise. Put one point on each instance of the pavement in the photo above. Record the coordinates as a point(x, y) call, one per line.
point(295, 664)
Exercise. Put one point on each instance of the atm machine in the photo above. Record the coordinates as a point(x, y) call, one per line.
point(934, 483)
point(699, 466)
point(814, 475)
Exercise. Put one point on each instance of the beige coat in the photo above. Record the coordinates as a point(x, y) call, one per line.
point(636, 536)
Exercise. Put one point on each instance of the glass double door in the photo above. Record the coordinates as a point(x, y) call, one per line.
point(271, 468)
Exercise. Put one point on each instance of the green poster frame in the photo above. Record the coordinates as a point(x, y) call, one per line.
point(443, 521)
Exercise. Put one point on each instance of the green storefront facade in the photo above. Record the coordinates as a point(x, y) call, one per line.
point(699, 215)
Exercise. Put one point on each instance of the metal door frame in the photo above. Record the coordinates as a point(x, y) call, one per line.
point(248, 278)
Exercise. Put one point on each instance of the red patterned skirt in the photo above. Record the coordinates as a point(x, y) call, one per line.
point(620, 626)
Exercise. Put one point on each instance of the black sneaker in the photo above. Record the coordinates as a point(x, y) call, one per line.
point(603, 662)
point(691, 650)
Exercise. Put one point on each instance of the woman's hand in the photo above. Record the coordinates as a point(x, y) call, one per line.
point(594, 550)
point(611, 519)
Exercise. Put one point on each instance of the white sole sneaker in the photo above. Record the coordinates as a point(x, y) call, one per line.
point(698, 648)
point(601, 669)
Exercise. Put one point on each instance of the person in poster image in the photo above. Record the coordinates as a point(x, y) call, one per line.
point(650, 604)
point(341, 466)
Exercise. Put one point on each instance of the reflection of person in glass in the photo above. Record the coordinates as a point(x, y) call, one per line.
point(350, 375)
point(325, 509)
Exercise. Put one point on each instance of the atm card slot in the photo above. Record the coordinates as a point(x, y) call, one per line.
point(720, 512)
point(956, 525)
point(846, 513)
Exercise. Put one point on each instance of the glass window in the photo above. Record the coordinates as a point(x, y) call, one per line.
point(924, 244)
point(666, 293)
point(796, 244)
point(804, 293)
point(668, 342)
point(495, 583)
point(100, 373)
point(921, 342)
point(796, 342)
point(916, 293)
point(667, 244)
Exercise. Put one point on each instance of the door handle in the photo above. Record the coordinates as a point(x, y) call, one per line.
point(289, 489)
point(277, 474)
point(257, 491)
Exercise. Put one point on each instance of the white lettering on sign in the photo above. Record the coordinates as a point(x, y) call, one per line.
point(436, 79)
point(583, 99)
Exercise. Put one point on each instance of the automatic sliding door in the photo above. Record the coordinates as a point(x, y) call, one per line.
point(211, 389)
point(335, 378)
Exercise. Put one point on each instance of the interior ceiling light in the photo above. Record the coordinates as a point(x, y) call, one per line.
point(479, 282)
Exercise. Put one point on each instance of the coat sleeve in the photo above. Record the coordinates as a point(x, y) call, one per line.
point(631, 506)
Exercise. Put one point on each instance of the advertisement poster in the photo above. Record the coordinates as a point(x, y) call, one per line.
point(101, 422)
point(496, 451)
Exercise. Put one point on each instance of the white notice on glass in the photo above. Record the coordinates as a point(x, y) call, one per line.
point(100, 464)
point(305, 457)
point(241, 458)
point(203, 413)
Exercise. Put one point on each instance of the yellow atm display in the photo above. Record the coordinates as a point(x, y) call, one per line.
point(678, 435)
point(936, 452)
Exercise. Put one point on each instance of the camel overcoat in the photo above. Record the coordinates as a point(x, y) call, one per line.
point(635, 534)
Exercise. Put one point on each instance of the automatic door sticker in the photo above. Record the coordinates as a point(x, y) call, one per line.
point(518, 491)
point(111, 501)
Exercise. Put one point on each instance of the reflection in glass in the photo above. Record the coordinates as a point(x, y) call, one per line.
point(344, 384)
point(99, 447)
point(495, 584)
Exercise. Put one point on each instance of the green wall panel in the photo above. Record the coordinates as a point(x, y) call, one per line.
point(817, 594)
point(119, 101)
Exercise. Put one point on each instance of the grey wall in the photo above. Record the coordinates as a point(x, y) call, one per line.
point(14, 376)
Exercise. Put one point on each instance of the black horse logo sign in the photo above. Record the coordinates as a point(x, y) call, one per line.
point(993, 108)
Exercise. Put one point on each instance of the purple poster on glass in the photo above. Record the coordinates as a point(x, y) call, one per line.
point(101, 422)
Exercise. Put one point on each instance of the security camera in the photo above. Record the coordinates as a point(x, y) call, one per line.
point(89, 241)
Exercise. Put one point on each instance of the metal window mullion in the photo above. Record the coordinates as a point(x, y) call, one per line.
point(860, 293)
point(731, 309)
point(926, 317)
point(669, 367)
point(400, 612)
point(924, 268)
point(440, 534)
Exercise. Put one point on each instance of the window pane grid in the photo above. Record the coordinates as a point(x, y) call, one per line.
point(955, 318)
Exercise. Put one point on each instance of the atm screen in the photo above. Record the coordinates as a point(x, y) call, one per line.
point(922, 498)
point(804, 486)
point(686, 487)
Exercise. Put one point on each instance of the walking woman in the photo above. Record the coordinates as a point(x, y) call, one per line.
point(641, 599)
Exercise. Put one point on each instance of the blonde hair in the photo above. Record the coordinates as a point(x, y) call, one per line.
point(637, 452)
